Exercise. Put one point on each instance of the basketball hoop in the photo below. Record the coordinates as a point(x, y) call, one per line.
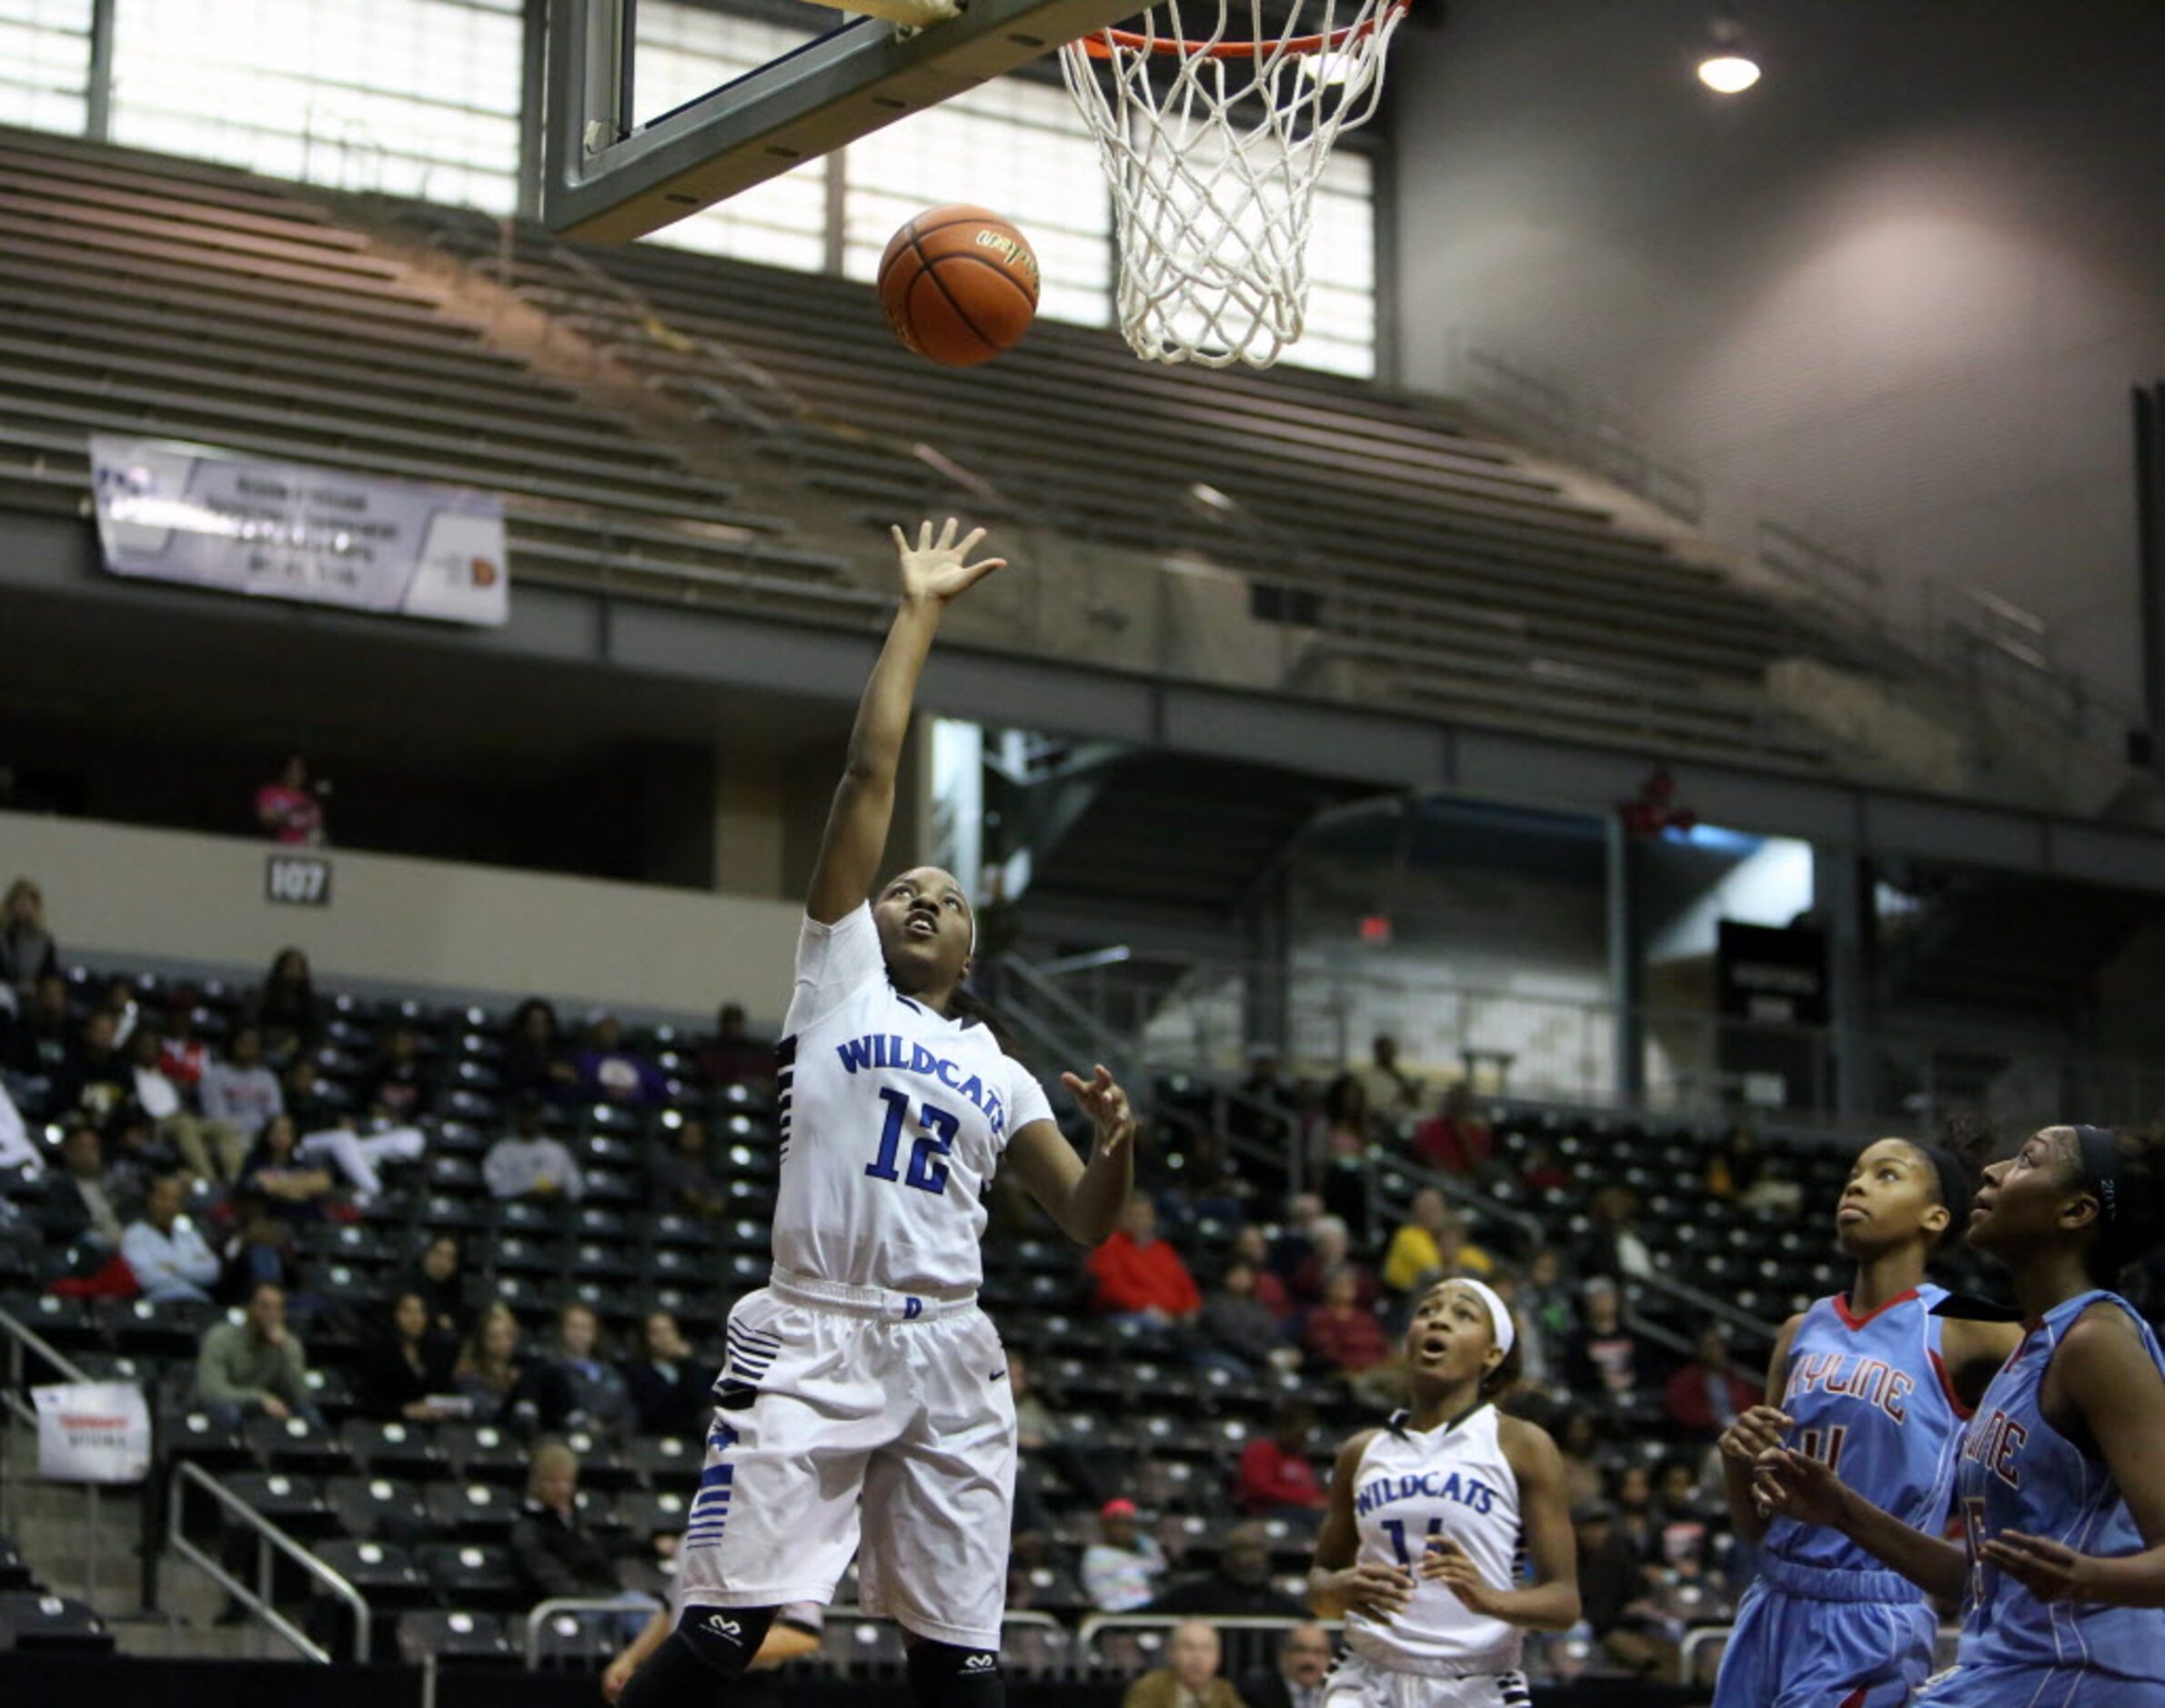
point(1213, 146)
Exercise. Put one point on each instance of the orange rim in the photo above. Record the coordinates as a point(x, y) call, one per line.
point(1102, 45)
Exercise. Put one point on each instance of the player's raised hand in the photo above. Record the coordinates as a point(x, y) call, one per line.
point(1107, 1106)
point(937, 569)
point(1381, 1592)
point(2049, 1570)
point(1445, 1563)
point(1756, 1432)
point(1789, 1484)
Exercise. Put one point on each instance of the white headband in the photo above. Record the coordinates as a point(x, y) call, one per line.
point(1499, 1313)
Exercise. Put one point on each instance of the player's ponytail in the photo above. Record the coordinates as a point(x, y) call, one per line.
point(1966, 1142)
point(2131, 1225)
point(966, 1006)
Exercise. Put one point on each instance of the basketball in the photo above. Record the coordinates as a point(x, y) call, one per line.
point(959, 286)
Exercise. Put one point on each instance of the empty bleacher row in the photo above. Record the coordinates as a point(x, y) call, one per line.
point(146, 295)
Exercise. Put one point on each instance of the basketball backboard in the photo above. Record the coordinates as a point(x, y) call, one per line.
point(607, 177)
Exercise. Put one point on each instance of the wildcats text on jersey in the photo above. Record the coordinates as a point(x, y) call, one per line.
point(1431, 1486)
point(878, 1051)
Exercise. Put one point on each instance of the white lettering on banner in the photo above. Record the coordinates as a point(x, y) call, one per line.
point(212, 518)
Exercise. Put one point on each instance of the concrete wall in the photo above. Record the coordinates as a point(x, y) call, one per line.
point(115, 892)
point(1901, 288)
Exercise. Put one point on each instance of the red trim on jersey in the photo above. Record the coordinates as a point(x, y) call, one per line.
point(1856, 1698)
point(1850, 1319)
point(1947, 1386)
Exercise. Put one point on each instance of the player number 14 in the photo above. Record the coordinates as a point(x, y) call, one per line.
point(935, 1139)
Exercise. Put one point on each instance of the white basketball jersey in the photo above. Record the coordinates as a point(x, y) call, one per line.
point(1452, 1482)
point(893, 1119)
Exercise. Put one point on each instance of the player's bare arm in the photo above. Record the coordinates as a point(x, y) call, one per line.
point(1551, 1602)
point(1757, 1431)
point(933, 571)
point(1802, 1488)
point(1336, 1585)
point(1083, 1200)
point(2104, 1377)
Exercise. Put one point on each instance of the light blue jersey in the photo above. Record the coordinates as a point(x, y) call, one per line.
point(1826, 1622)
point(2015, 1472)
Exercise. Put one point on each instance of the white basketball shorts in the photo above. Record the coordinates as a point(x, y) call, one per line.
point(1357, 1682)
point(833, 1396)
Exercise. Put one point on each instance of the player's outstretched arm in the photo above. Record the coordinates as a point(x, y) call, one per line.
point(1083, 1200)
point(1759, 1429)
point(2106, 1374)
point(1788, 1482)
point(933, 570)
point(1550, 1603)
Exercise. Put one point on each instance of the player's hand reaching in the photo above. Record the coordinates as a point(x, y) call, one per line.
point(1757, 1431)
point(1379, 1590)
point(1107, 1106)
point(1789, 1484)
point(617, 1676)
point(1447, 1564)
point(2049, 1570)
point(937, 569)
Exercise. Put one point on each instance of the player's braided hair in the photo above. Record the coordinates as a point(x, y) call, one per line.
point(2136, 1228)
point(966, 1006)
point(1965, 1144)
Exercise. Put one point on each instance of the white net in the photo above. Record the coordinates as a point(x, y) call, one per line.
point(1212, 143)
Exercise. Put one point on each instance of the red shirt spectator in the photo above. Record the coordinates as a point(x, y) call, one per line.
point(1705, 1397)
point(1455, 1140)
point(288, 810)
point(1341, 1332)
point(1331, 1255)
point(1275, 1472)
point(1137, 1273)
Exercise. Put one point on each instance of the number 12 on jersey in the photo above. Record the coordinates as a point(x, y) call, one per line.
point(935, 1140)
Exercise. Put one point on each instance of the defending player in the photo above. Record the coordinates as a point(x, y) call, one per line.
point(1876, 1386)
point(2060, 1481)
point(864, 1370)
point(1430, 1517)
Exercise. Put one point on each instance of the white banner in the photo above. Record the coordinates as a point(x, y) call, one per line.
point(212, 518)
point(92, 1431)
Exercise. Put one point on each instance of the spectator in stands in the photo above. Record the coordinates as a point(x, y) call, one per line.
point(406, 1368)
point(79, 1208)
point(1348, 1124)
point(242, 1093)
point(259, 1247)
point(588, 1391)
point(212, 1151)
point(1612, 1588)
point(169, 1258)
point(1189, 1679)
point(274, 1171)
point(527, 1163)
point(288, 810)
point(1542, 1168)
point(1331, 1252)
point(1240, 1335)
point(436, 1281)
point(1428, 1247)
point(183, 1058)
point(1536, 1361)
point(28, 952)
point(120, 1002)
point(1604, 1357)
point(1547, 1301)
point(1342, 1334)
point(1612, 1247)
point(1456, 1139)
point(133, 1157)
point(315, 1107)
point(99, 1080)
point(1394, 1095)
point(1296, 1682)
point(398, 1082)
point(501, 1385)
point(733, 1056)
point(1122, 1568)
point(17, 1150)
point(1140, 1276)
point(1741, 1172)
point(533, 1063)
point(682, 1178)
point(255, 1367)
point(1578, 1441)
point(1274, 1478)
point(286, 1008)
point(611, 1073)
point(552, 1551)
point(1706, 1396)
point(359, 1155)
point(1240, 1585)
point(1250, 1247)
point(667, 1387)
point(1263, 1111)
point(41, 1045)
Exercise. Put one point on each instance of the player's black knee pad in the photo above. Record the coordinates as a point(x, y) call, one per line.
point(947, 1675)
point(710, 1648)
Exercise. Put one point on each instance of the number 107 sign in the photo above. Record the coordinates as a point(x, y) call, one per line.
point(298, 880)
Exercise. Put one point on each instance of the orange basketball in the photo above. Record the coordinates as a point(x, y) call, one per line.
point(959, 286)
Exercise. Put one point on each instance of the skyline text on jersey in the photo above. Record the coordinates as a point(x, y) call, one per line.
point(877, 1050)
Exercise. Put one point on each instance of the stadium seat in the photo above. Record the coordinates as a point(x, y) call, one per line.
point(294, 1445)
point(374, 1506)
point(383, 1571)
point(294, 1504)
point(30, 1620)
point(468, 1637)
point(395, 1449)
point(14, 1573)
point(472, 1511)
point(467, 1573)
point(482, 1452)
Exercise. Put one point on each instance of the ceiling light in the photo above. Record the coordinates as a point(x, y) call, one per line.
point(1729, 68)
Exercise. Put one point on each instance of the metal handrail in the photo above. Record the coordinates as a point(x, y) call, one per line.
point(267, 1536)
point(541, 1612)
point(1092, 1627)
point(21, 1339)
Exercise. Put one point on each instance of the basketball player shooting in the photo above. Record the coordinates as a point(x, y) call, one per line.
point(863, 1379)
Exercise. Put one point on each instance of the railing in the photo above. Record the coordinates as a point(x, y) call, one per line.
point(1247, 1637)
point(24, 1342)
point(269, 1541)
point(539, 1615)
